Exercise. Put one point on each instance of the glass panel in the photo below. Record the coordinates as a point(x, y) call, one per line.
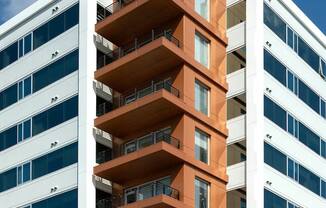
point(275, 158)
point(295, 43)
point(201, 193)
point(201, 50)
point(9, 55)
point(275, 23)
point(145, 141)
point(19, 175)
point(308, 55)
point(26, 172)
point(271, 200)
point(290, 37)
point(8, 138)
point(9, 96)
point(274, 67)
point(27, 86)
point(130, 147)
point(163, 186)
point(146, 191)
point(309, 180)
point(21, 47)
point(323, 108)
point(290, 168)
point(20, 90)
point(243, 203)
point(202, 8)
point(68, 199)
point(71, 17)
point(40, 36)
point(290, 124)
point(275, 113)
point(309, 138)
point(39, 123)
point(8, 179)
point(201, 146)
point(201, 98)
point(130, 195)
point(323, 189)
point(323, 149)
point(20, 132)
point(56, 26)
point(309, 97)
point(28, 43)
point(290, 83)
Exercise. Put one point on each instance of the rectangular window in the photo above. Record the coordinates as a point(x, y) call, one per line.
point(309, 180)
point(323, 148)
point(27, 86)
point(275, 23)
point(201, 193)
point(275, 113)
point(322, 108)
point(291, 124)
point(323, 68)
point(271, 200)
point(21, 47)
point(243, 203)
point(308, 55)
point(290, 83)
point(56, 26)
point(202, 49)
point(309, 97)
point(9, 96)
point(309, 138)
point(8, 138)
point(8, 179)
point(290, 37)
point(67, 199)
point(201, 146)
point(27, 129)
point(201, 97)
point(9, 55)
point(202, 8)
point(274, 67)
point(275, 158)
point(27, 43)
point(323, 189)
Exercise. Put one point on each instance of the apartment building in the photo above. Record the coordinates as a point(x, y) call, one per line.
point(276, 106)
point(114, 104)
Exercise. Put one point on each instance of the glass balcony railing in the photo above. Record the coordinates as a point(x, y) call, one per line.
point(105, 59)
point(122, 100)
point(103, 12)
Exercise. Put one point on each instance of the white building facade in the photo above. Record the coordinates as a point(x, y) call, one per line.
point(276, 106)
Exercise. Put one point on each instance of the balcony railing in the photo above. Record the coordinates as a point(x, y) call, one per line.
point(143, 192)
point(122, 100)
point(136, 44)
point(104, 203)
point(148, 140)
point(103, 12)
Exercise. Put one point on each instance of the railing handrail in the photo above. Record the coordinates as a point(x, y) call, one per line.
point(139, 42)
point(111, 8)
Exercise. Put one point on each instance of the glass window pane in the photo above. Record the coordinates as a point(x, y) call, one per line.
point(323, 108)
point(20, 90)
point(146, 191)
point(55, 116)
point(323, 189)
point(27, 86)
point(202, 8)
point(275, 158)
point(40, 36)
point(309, 138)
point(309, 97)
point(290, 168)
point(70, 108)
point(28, 43)
point(9, 96)
point(201, 146)
point(21, 47)
point(290, 83)
point(56, 26)
point(20, 132)
point(290, 37)
point(9, 55)
point(201, 50)
point(39, 123)
point(8, 179)
point(274, 67)
point(323, 149)
point(27, 129)
point(8, 138)
point(71, 62)
point(19, 175)
point(290, 124)
point(309, 180)
point(201, 193)
point(308, 55)
point(71, 17)
point(274, 22)
point(275, 113)
point(271, 200)
point(201, 98)
point(26, 172)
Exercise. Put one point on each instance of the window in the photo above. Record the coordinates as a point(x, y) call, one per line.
point(275, 23)
point(67, 199)
point(23, 173)
point(54, 116)
point(308, 55)
point(202, 8)
point(275, 158)
point(309, 138)
point(56, 26)
point(9, 55)
point(323, 148)
point(202, 50)
point(55, 71)
point(275, 113)
point(27, 43)
point(293, 126)
point(8, 179)
point(290, 37)
point(274, 67)
point(323, 189)
point(201, 193)
point(323, 68)
point(308, 96)
point(293, 170)
point(9, 96)
point(309, 180)
point(40, 36)
point(201, 146)
point(54, 161)
point(322, 108)
point(201, 97)
point(271, 200)
point(8, 138)
point(243, 203)
point(72, 17)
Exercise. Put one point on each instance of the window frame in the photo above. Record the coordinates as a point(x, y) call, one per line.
point(208, 89)
point(208, 189)
point(208, 10)
point(208, 143)
point(206, 40)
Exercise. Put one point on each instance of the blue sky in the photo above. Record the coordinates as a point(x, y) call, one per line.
point(315, 10)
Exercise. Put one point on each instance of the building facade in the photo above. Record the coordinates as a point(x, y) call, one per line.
point(162, 103)
point(276, 106)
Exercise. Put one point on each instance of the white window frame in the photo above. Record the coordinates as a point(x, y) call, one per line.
point(201, 36)
point(208, 144)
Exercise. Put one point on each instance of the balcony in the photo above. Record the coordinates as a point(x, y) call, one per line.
point(114, 21)
point(159, 101)
point(237, 176)
point(236, 81)
point(158, 51)
point(156, 156)
point(237, 129)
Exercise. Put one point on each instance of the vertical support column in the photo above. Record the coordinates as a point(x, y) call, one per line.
point(255, 104)
point(87, 104)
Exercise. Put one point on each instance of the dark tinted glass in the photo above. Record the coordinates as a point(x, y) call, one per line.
point(71, 62)
point(308, 55)
point(72, 17)
point(8, 179)
point(275, 23)
point(56, 26)
point(308, 96)
point(290, 37)
point(27, 129)
point(70, 108)
point(28, 43)
point(68, 199)
point(309, 138)
point(8, 138)
point(9, 55)
point(55, 116)
point(27, 86)
point(323, 189)
point(274, 67)
point(8, 97)
point(275, 113)
point(275, 158)
point(54, 161)
point(323, 148)
point(271, 200)
point(309, 180)
point(39, 123)
point(26, 172)
point(40, 36)
point(21, 47)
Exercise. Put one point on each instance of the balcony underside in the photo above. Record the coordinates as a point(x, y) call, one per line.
point(139, 164)
point(157, 107)
point(143, 64)
point(137, 17)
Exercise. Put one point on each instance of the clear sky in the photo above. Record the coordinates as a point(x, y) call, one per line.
point(314, 9)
